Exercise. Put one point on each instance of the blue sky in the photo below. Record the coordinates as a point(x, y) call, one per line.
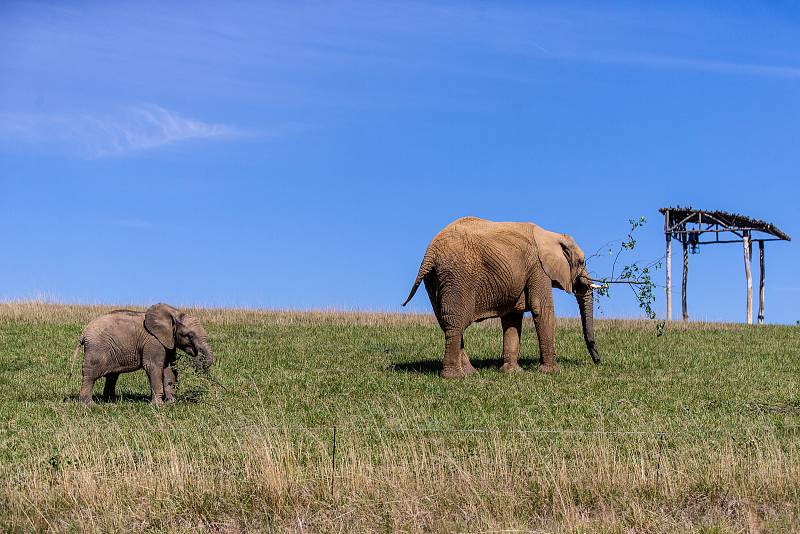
point(302, 155)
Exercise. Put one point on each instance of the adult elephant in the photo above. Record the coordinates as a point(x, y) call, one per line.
point(476, 269)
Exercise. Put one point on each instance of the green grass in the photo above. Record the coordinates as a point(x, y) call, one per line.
point(697, 429)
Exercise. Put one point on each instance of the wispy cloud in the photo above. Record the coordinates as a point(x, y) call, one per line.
point(134, 129)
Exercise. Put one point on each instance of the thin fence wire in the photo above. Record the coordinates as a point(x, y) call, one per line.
point(331, 434)
point(363, 430)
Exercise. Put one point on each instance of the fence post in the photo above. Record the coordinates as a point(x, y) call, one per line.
point(333, 458)
point(658, 460)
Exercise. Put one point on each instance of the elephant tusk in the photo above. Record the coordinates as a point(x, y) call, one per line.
point(596, 286)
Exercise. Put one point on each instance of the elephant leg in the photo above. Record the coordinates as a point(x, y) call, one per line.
point(154, 361)
point(466, 365)
point(91, 370)
point(156, 376)
point(456, 363)
point(512, 333)
point(540, 302)
point(87, 385)
point(544, 319)
point(109, 390)
point(432, 288)
point(452, 367)
point(170, 383)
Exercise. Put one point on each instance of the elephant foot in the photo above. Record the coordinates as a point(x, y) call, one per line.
point(549, 368)
point(452, 373)
point(109, 398)
point(467, 367)
point(511, 368)
point(170, 400)
point(158, 401)
point(87, 402)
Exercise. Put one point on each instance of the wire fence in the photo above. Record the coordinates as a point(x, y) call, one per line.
point(374, 429)
point(329, 437)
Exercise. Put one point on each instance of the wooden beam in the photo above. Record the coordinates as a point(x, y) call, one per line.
point(683, 283)
point(761, 282)
point(714, 231)
point(747, 252)
point(669, 277)
point(715, 242)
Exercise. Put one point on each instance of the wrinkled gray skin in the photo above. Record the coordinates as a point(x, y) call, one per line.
point(476, 269)
point(123, 341)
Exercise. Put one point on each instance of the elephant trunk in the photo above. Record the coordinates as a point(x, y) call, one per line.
point(204, 357)
point(585, 299)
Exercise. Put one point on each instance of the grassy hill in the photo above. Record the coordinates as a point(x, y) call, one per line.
point(697, 429)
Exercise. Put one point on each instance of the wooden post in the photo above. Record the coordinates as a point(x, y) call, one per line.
point(683, 284)
point(747, 252)
point(761, 282)
point(669, 277)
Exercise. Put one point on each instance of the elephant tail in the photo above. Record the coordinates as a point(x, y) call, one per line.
point(428, 264)
point(75, 353)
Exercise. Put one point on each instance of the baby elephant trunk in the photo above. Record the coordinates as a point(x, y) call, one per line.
point(204, 358)
point(585, 298)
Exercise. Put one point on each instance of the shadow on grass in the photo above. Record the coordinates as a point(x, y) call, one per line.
point(189, 397)
point(434, 366)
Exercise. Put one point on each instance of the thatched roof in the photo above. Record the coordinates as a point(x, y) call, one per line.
point(734, 220)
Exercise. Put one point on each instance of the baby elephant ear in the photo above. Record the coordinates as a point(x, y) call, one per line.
point(159, 320)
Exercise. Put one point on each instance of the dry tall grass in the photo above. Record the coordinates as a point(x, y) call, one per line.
point(39, 311)
point(284, 480)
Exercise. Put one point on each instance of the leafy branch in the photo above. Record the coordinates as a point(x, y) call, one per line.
point(637, 277)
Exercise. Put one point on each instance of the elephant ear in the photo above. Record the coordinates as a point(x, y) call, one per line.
point(159, 320)
point(555, 254)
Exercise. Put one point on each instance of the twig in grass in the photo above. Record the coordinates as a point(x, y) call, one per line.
point(209, 377)
point(38, 511)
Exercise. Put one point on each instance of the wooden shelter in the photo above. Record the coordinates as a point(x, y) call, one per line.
point(697, 227)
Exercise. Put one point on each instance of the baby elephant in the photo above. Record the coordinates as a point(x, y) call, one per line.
point(123, 340)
